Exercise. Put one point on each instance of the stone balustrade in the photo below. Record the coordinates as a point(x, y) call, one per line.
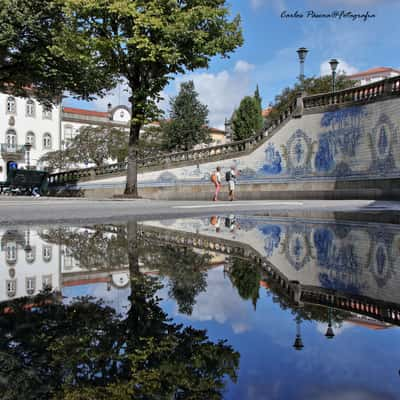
point(309, 104)
point(360, 94)
point(294, 291)
point(207, 154)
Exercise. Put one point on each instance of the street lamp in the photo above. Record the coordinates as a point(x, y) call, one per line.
point(298, 342)
point(302, 52)
point(329, 332)
point(28, 147)
point(333, 63)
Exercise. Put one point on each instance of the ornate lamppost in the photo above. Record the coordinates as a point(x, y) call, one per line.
point(329, 332)
point(333, 63)
point(302, 53)
point(28, 147)
point(298, 342)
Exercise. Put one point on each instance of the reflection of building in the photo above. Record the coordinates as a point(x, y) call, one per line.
point(32, 264)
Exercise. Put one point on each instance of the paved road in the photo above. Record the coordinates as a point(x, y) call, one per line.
point(19, 210)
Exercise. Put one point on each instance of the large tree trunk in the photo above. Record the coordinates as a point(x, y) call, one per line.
point(131, 178)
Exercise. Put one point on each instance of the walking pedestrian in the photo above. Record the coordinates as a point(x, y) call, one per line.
point(230, 177)
point(216, 179)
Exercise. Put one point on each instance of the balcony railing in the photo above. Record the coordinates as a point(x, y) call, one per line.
point(7, 148)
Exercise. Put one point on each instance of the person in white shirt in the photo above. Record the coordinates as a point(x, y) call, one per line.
point(232, 182)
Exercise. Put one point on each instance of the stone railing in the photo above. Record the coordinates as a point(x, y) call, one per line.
point(292, 290)
point(361, 305)
point(170, 160)
point(360, 94)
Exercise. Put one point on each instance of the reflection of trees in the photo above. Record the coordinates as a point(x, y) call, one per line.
point(97, 248)
point(83, 350)
point(245, 276)
point(186, 271)
point(94, 248)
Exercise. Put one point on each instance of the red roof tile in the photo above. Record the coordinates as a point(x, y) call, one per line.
point(266, 112)
point(80, 111)
point(373, 71)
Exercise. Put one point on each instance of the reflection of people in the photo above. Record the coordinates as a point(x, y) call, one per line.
point(231, 223)
point(216, 179)
point(216, 222)
point(231, 178)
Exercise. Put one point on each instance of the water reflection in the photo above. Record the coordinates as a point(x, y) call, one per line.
point(86, 312)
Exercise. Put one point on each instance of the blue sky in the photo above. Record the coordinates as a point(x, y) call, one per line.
point(268, 57)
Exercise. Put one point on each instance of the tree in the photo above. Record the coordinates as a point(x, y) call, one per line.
point(188, 122)
point(310, 86)
point(247, 119)
point(31, 58)
point(117, 144)
point(90, 145)
point(56, 160)
point(246, 276)
point(148, 42)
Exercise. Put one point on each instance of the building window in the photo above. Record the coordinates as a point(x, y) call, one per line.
point(68, 135)
point(30, 108)
point(11, 287)
point(30, 138)
point(122, 114)
point(47, 282)
point(46, 253)
point(47, 112)
point(11, 140)
point(47, 141)
point(11, 253)
point(30, 255)
point(30, 284)
point(11, 105)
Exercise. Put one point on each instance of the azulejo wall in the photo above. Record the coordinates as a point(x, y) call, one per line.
point(357, 259)
point(358, 142)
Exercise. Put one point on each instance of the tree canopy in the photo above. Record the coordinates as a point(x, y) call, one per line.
point(247, 119)
point(310, 86)
point(187, 124)
point(148, 42)
point(32, 57)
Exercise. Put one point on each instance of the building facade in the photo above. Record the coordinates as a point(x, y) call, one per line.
point(373, 75)
point(26, 121)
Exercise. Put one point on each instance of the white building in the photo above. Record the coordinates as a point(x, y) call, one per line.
point(73, 119)
point(373, 75)
point(24, 120)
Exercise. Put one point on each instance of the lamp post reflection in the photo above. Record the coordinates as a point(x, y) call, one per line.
point(329, 332)
point(298, 342)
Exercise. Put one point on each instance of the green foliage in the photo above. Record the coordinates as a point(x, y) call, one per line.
point(84, 350)
point(148, 43)
point(187, 124)
point(186, 272)
point(93, 144)
point(310, 86)
point(56, 160)
point(246, 276)
point(32, 55)
point(247, 119)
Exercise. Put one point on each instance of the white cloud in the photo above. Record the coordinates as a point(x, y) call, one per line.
point(221, 303)
point(243, 66)
point(278, 5)
point(343, 67)
point(222, 91)
point(351, 3)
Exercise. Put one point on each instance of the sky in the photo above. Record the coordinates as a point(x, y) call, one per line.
point(268, 57)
